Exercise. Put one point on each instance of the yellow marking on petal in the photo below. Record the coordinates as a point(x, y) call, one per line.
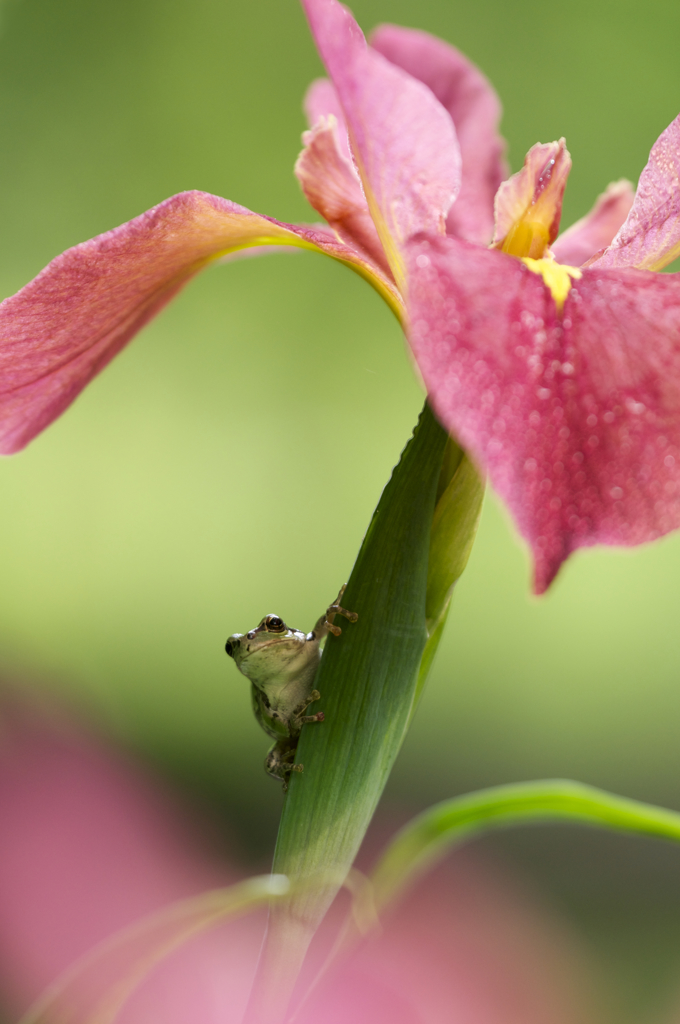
point(529, 204)
point(528, 238)
point(389, 243)
point(556, 276)
point(392, 252)
point(667, 256)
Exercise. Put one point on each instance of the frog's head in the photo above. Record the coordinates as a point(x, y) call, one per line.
point(271, 646)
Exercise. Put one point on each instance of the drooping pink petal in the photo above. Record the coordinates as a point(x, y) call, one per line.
point(60, 330)
point(576, 417)
point(403, 140)
point(597, 229)
point(332, 185)
point(529, 204)
point(650, 237)
point(476, 112)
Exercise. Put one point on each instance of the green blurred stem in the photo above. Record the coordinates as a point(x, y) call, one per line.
point(426, 839)
point(460, 493)
point(370, 678)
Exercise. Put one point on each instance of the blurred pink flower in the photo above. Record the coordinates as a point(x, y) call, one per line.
point(88, 845)
point(563, 383)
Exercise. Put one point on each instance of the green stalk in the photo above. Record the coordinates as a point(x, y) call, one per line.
point(429, 836)
point(369, 680)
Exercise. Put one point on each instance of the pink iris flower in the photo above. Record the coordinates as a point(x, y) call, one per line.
point(89, 845)
point(554, 360)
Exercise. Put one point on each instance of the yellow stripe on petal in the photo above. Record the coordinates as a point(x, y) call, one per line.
point(528, 206)
point(526, 238)
point(556, 276)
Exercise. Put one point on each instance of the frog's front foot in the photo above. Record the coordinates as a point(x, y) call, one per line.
point(304, 704)
point(318, 717)
point(299, 719)
point(337, 609)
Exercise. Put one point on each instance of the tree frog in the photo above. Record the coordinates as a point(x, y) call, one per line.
point(281, 663)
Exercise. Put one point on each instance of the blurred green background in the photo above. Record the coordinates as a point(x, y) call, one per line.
point(227, 463)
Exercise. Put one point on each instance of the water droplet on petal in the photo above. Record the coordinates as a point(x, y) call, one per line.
point(637, 408)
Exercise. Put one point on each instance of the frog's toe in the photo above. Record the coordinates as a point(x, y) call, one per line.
point(337, 609)
point(318, 717)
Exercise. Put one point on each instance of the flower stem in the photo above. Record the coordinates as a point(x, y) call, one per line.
point(369, 680)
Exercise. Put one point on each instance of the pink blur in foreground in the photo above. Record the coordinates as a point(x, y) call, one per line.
point(89, 845)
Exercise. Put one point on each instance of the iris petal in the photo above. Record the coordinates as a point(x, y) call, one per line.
point(574, 415)
point(332, 185)
point(403, 140)
point(475, 110)
point(62, 329)
point(528, 205)
point(596, 230)
point(650, 237)
point(321, 100)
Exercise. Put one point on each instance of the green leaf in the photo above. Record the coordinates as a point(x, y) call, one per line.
point(454, 527)
point(426, 839)
point(369, 680)
point(460, 493)
point(97, 987)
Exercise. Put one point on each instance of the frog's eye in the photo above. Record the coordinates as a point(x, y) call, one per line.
point(274, 624)
point(229, 648)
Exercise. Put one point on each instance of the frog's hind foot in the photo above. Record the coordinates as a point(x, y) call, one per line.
point(287, 769)
point(277, 764)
